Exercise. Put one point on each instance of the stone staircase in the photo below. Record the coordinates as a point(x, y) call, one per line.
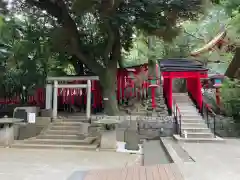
point(63, 134)
point(193, 127)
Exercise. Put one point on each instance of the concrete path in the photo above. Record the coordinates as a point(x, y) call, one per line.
point(22, 164)
point(219, 161)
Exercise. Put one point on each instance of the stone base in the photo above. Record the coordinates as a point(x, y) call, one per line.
point(131, 139)
point(46, 113)
point(6, 136)
point(120, 134)
point(108, 140)
point(84, 128)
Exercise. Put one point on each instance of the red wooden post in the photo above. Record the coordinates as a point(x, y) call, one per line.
point(170, 91)
point(118, 84)
point(218, 97)
point(123, 74)
point(153, 87)
point(94, 82)
point(199, 92)
point(157, 75)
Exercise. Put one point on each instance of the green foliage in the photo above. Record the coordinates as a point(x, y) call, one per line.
point(26, 56)
point(230, 94)
point(97, 20)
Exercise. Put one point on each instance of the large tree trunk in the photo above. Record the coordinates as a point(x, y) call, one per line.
point(108, 86)
point(108, 79)
point(233, 68)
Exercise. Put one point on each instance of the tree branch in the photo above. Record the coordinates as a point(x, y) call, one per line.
point(116, 49)
point(110, 42)
point(193, 35)
point(58, 9)
point(108, 8)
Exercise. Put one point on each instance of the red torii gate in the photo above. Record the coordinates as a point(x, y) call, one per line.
point(190, 70)
point(126, 78)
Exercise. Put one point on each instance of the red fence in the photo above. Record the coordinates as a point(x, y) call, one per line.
point(79, 96)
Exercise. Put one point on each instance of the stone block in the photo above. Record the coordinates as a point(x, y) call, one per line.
point(132, 139)
point(138, 113)
point(46, 113)
point(149, 113)
point(84, 128)
point(20, 114)
point(124, 124)
point(155, 114)
point(43, 121)
point(120, 134)
point(29, 109)
point(149, 108)
point(108, 140)
point(133, 125)
point(6, 135)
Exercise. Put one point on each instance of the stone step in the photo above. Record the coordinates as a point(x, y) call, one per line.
point(57, 136)
point(139, 113)
point(88, 140)
point(83, 117)
point(183, 101)
point(178, 99)
point(194, 125)
point(180, 94)
point(192, 117)
point(185, 105)
point(72, 120)
point(198, 140)
point(190, 108)
point(67, 123)
point(65, 127)
point(190, 114)
point(196, 129)
point(192, 121)
point(181, 97)
point(91, 147)
point(198, 135)
point(62, 132)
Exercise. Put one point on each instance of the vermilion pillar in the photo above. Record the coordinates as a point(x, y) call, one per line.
point(153, 87)
point(170, 92)
point(218, 96)
point(118, 85)
point(123, 84)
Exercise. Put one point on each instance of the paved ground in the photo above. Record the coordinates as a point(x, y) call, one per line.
point(219, 161)
point(21, 164)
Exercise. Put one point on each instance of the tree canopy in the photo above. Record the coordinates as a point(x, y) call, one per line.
point(96, 31)
point(101, 34)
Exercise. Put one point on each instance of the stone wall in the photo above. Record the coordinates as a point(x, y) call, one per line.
point(153, 127)
point(148, 127)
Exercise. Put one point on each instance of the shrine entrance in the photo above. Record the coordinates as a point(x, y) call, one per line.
point(55, 84)
point(191, 70)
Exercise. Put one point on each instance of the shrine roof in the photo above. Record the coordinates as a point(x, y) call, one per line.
point(135, 66)
point(181, 65)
